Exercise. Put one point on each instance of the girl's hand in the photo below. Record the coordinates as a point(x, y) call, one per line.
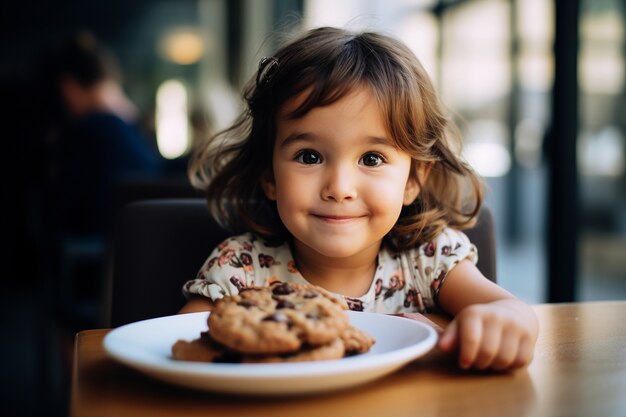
point(496, 336)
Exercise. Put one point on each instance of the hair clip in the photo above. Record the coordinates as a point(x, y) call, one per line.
point(267, 68)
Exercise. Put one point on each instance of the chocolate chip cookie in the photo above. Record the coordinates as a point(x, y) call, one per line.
point(278, 320)
point(203, 349)
point(206, 349)
point(332, 350)
point(356, 341)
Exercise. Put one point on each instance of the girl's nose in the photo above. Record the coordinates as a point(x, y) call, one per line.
point(339, 184)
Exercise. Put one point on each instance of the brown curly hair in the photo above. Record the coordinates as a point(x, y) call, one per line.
point(330, 63)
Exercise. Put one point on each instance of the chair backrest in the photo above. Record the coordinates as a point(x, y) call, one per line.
point(483, 235)
point(160, 244)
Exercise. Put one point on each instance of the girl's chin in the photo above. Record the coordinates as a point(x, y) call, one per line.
point(331, 248)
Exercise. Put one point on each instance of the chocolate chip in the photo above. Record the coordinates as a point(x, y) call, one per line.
point(309, 294)
point(282, 289)
point(277, 317)
point(285, 304)
point(247, 303)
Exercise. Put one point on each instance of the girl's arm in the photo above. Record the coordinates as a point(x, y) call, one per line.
point(491, 328)
point(197, 304)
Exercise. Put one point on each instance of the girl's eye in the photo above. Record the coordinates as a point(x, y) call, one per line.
point(308, 157)
point(372, 159)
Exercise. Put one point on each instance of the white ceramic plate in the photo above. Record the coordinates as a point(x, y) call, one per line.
point(146, 346)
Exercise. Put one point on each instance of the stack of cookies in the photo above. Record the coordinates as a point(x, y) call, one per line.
point(285, 322)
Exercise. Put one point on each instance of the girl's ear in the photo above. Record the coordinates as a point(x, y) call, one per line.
point(269, 184)
point(411, 191)
point(413, 185)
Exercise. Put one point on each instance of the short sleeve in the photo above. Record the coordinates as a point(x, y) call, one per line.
point(435, 259)
point(227, 270)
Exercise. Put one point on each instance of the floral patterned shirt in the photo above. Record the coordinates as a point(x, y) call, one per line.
point(407, 281)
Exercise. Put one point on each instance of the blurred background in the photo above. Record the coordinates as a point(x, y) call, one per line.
point(538, 87)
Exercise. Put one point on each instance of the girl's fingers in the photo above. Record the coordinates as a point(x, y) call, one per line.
point(508, 352)
point(470, 334)
point(489, 347)
point(485, 342)
point(524, 353)
point(448, 339)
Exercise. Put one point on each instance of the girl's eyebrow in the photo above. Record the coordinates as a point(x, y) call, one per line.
point(296, 137)
point(309, 137)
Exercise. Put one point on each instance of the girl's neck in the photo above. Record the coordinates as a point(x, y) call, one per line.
point(351, 277)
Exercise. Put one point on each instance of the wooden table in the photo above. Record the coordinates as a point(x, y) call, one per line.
point(579, 370)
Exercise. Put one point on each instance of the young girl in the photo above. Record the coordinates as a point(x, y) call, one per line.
point(345, 173)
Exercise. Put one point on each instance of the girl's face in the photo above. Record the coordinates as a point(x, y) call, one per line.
point(338, 180)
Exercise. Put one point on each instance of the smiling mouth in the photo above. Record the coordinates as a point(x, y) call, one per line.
point(336, 219)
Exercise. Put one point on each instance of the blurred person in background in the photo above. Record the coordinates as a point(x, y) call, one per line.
point(92, 145)
point(94, 140)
